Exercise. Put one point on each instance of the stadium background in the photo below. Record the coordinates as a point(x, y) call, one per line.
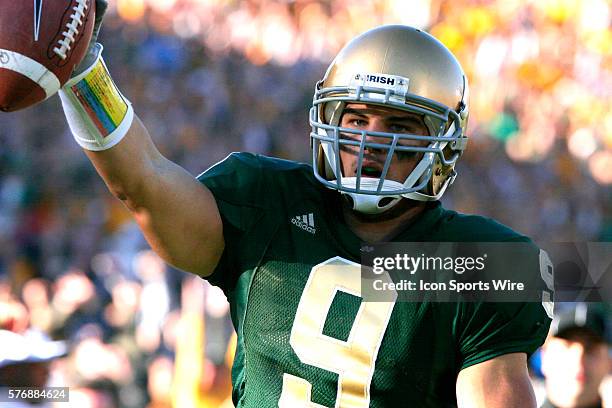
point(213, 76)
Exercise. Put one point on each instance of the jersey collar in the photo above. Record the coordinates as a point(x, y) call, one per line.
point(417, 231)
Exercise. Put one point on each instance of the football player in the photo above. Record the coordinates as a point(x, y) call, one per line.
point(283, 239)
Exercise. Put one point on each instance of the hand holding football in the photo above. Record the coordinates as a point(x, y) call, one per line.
point(41, 42)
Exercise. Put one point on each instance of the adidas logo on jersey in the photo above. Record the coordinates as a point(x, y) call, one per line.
point(305, 222)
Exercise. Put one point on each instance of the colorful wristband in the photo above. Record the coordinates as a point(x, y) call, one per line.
point(98, 114)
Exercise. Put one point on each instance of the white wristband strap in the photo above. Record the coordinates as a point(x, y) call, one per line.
point(98, 114)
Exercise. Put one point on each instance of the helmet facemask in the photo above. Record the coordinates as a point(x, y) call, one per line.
point(439, 150)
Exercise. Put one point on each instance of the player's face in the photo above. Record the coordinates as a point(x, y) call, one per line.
point(574, 369)
point(380, 119)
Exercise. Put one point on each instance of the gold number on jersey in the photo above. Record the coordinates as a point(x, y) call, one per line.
point(353, 360)
point(547, 274)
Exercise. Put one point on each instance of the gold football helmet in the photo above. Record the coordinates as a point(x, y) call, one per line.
point(403, 68)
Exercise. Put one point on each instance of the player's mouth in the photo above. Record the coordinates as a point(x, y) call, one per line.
point(371, 170)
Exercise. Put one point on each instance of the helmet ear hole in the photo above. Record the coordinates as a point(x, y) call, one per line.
point(349, 200)
point(385, 202)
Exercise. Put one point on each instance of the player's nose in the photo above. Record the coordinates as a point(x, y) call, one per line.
point(376, 126)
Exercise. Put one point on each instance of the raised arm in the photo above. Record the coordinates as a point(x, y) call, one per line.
point(178, 215)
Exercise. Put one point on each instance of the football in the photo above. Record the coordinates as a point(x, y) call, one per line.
point(41, 42)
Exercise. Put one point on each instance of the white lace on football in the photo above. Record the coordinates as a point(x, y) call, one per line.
point(72, 29)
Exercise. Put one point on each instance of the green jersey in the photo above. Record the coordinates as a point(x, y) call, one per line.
point(291, 273)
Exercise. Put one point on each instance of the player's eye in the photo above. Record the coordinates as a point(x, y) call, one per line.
point(358, 122)
point(398, 128)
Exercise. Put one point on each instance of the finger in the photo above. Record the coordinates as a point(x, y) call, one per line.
point(101, 6)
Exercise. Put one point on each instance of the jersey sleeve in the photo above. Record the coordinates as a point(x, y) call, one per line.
point(487, 330)
point(238, 187)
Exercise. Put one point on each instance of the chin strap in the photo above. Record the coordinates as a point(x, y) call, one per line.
point(377, 204)
point(371, 203)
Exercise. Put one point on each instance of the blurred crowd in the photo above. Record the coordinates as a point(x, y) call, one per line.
point(155, 338)
point(213, 76)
